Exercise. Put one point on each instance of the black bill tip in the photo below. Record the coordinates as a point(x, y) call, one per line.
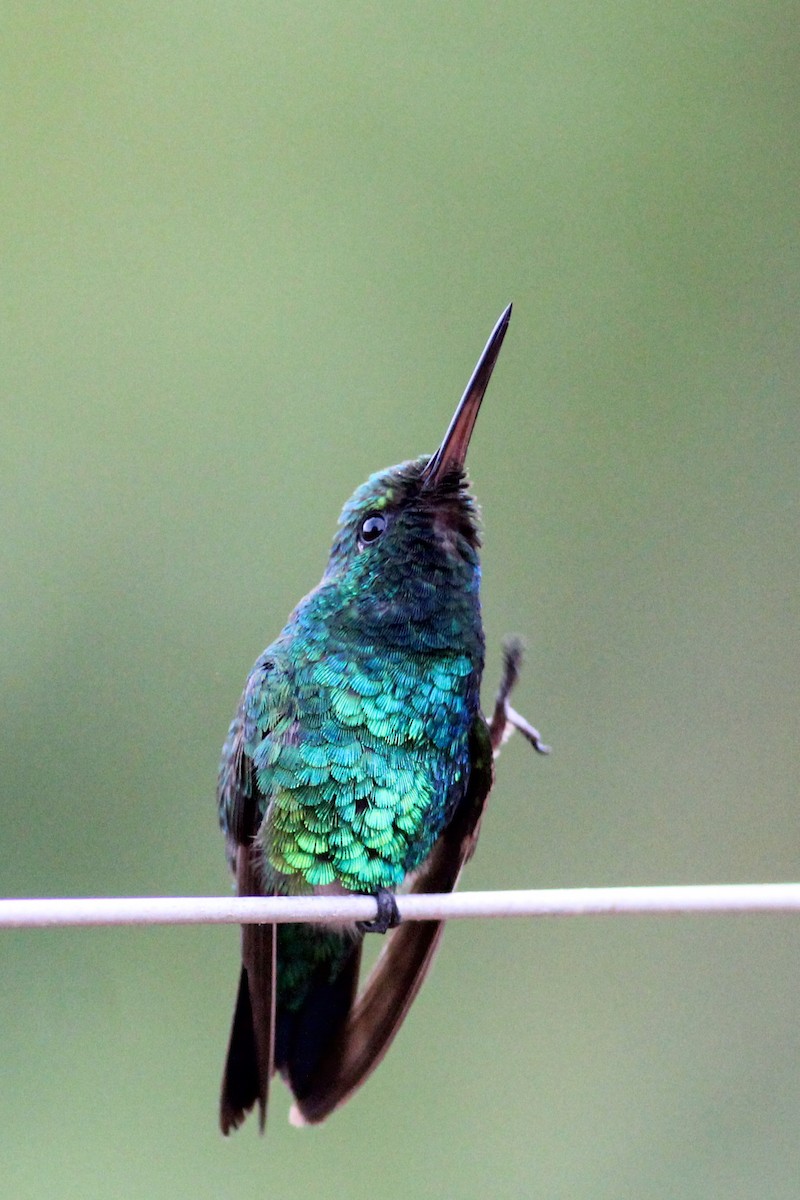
point(452, 453)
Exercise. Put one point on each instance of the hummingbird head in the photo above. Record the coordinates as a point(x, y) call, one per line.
point(408, 538)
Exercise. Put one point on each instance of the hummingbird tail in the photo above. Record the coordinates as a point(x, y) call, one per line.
point(304, 1035)
point(375, 1019)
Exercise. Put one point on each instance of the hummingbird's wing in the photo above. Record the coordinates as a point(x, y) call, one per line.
point(400, 971)
point(249, 1062)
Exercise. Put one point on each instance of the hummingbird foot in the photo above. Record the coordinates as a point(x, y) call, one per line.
point(506, 719)
point(517, 721)
point(388, 915)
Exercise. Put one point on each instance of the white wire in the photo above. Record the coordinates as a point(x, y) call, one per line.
point(559, 902)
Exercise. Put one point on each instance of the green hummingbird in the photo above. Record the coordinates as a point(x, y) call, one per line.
point(359, 761)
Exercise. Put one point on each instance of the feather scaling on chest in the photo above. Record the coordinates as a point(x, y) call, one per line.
point(359, 759)
point(356, 729)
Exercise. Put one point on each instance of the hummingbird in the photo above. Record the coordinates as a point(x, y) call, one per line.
point(359, 760)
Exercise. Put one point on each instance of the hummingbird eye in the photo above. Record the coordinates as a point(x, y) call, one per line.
point(371, 528)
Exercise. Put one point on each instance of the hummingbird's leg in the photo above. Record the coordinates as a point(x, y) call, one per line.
point(517, 721)
point(388, 916)
point(505, 719)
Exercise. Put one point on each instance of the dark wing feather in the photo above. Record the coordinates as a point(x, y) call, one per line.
point(249, 1062)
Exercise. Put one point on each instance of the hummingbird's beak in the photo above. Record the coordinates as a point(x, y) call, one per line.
point(452, 453)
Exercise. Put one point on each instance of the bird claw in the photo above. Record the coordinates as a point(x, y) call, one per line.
point(506, 719)
point(388, 914)
point(528, 731)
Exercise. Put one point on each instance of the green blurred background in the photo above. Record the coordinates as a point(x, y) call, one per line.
point(251, 252)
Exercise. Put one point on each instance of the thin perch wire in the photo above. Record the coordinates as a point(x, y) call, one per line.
point(680, 900)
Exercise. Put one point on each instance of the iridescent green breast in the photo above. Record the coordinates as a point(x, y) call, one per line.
point(360, 777)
